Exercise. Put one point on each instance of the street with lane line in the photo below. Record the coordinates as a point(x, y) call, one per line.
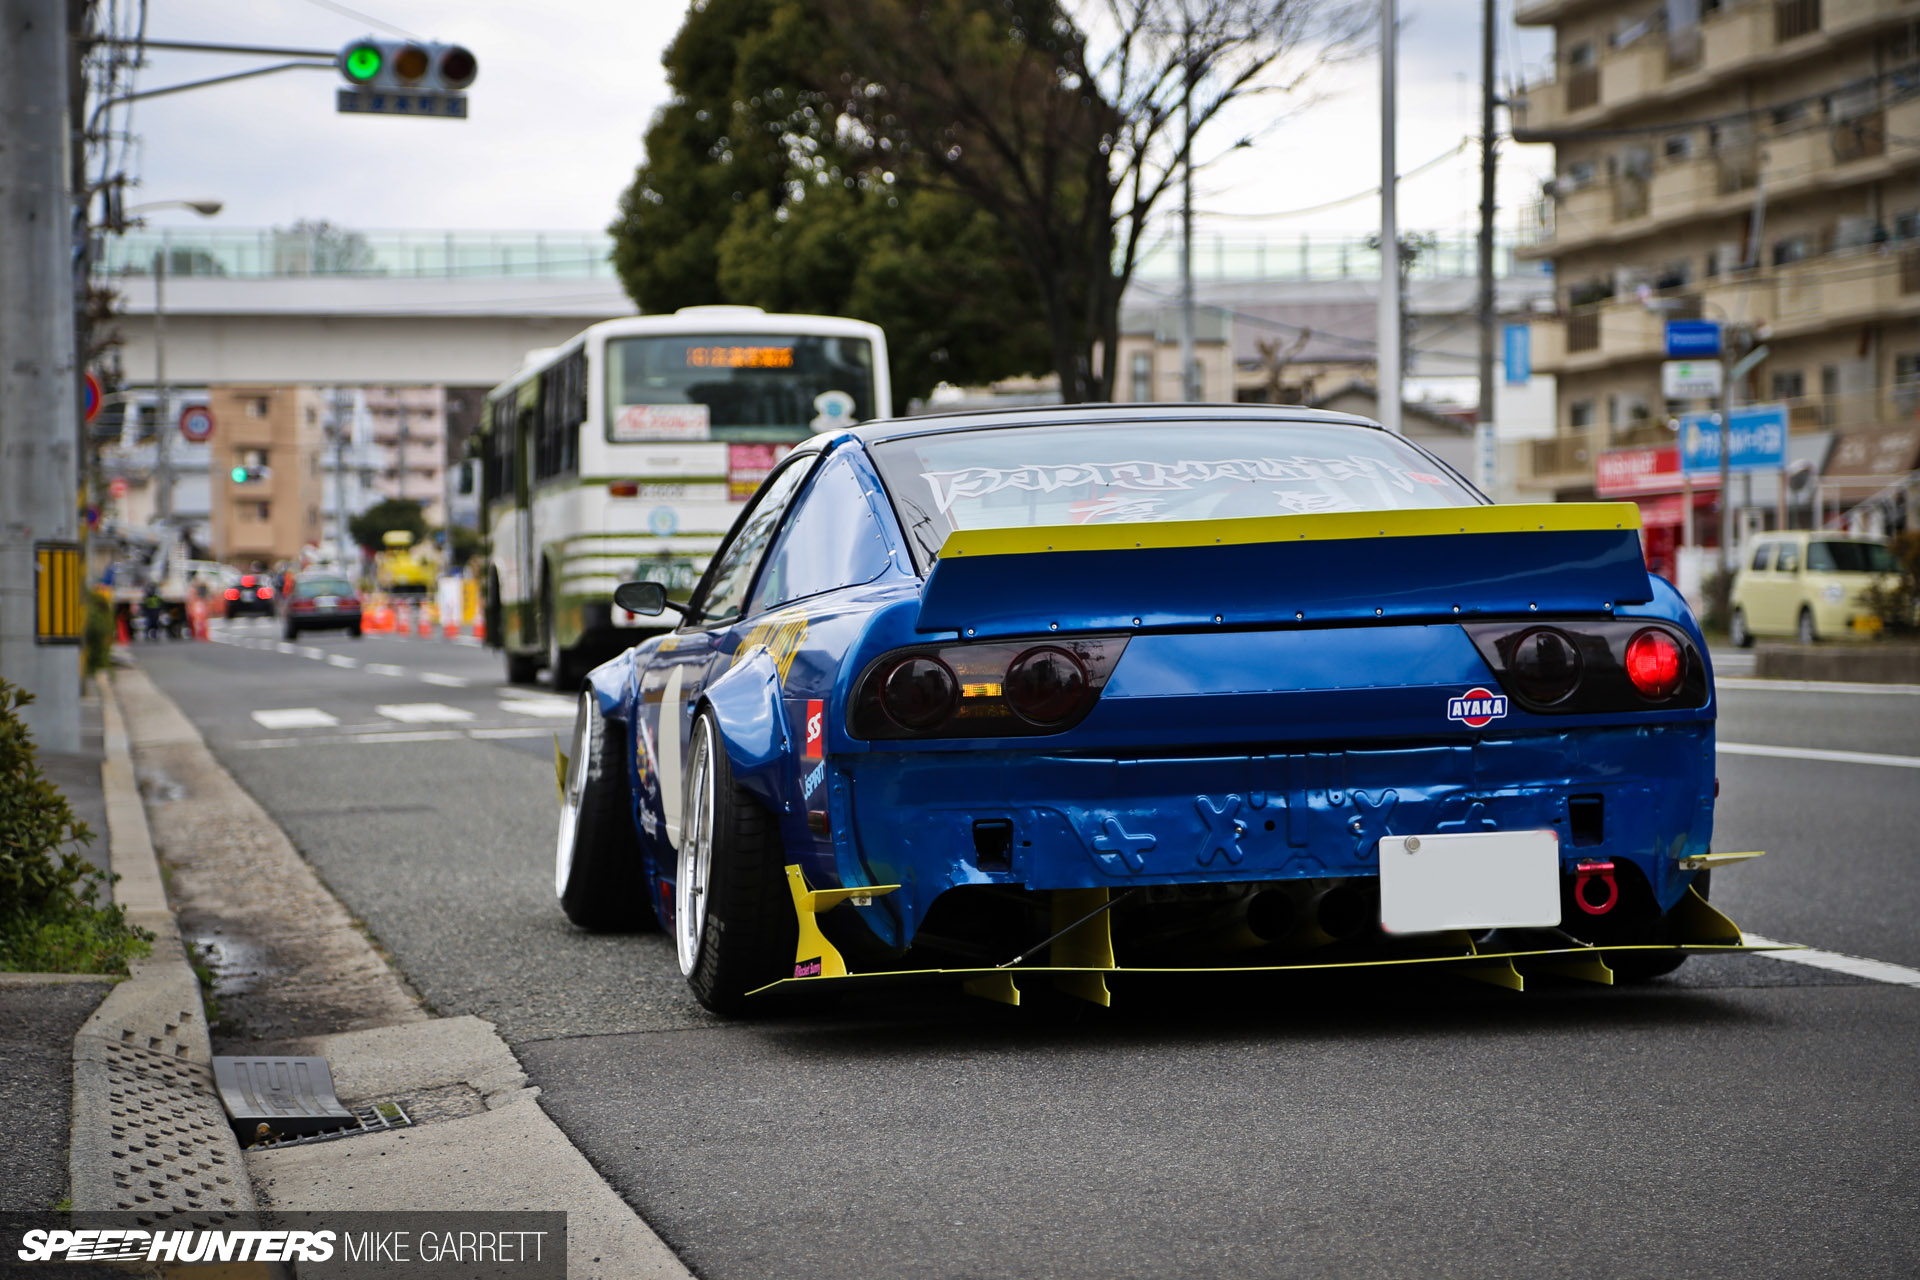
point(1748, 1114)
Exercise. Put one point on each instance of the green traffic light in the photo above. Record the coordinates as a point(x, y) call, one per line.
point(239, 475)
point(362, 62)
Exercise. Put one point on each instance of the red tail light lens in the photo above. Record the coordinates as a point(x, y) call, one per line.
point(1046, 685)
point(265, 593)
point(919, 692)
point(1655, 664)
point(624, 488)
point(233, 593)
point(1545, 666)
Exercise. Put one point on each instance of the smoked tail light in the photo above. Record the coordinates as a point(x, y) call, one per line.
point(1593, 666)
point(992, 689)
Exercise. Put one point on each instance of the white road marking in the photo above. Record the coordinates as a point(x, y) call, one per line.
point(1816, 753)
point(546, 705)
point(1812, 686)
point(472, 642)
point(283, 647)
point(385, 669)
point(451, 682)
point(342, 660)
point(1859, 967)
point(517, 731)
point(427, 735)
point(309, 651)
point(296, 718)
point(424, 713)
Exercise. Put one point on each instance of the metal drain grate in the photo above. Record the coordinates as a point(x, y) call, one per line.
point(379, 1117)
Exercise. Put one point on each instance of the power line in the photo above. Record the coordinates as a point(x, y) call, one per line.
point(357, 16)
point(1368, 194)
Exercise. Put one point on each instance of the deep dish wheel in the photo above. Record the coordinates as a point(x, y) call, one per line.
point(734, 926)
point(596, 870)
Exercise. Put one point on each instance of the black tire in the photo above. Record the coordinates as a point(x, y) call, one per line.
point(1807, 632)
point(1737, 631)
point(354, 631)
point(597, 873)
point(747, 933)
point(1644, 966)
point(290, 631)
point(522, 668)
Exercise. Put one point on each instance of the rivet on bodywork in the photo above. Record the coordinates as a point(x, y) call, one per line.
point(1533, 606)
point(969, 630)
point(1298, 616)
point(1376, 612)
point(1216, 617)
point(1136, 622)
point(1053, 626)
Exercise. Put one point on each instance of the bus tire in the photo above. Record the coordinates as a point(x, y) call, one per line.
point(597, 873)
point(522, 668)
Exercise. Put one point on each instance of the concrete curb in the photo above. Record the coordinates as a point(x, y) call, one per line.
point(149, 1134)
point(1880, 663)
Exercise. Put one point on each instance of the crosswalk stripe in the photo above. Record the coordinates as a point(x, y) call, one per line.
point(295, 718)
point(385, 669)
point(424, 712)
point(546, 705)
point(342, 660)
point(451, 682)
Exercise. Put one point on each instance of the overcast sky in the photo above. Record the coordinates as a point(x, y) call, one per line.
point(566, 88)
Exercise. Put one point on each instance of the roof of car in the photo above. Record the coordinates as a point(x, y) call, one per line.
point(1048, 415)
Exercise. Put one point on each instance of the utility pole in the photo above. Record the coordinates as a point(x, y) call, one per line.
point(339, 482)
point(1387, 321)
point(162, 395)
point(1189, 385)
point(1485, 448)
point(39, 431)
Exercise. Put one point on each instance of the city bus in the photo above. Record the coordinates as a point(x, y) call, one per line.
point(626, 452)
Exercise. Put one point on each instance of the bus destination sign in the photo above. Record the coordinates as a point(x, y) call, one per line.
point(740, 357)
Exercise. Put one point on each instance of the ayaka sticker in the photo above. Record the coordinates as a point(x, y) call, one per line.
point(1477, 707)
point(816, 727)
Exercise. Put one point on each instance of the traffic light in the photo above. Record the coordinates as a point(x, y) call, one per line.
point(247, 475)
point(406, 78)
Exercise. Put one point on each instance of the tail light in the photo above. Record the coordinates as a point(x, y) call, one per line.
point(233, 593)
point(1655, 664)
point(1597, 666)
point(1545, 666)
point(265, 593)
point(987, 690)
point(300, 606)
point(624, 488)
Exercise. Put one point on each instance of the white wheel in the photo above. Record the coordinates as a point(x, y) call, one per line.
point(693, 876)
point(573, 793)
point(1737, 630)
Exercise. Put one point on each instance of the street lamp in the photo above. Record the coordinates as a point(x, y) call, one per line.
point(162, 462)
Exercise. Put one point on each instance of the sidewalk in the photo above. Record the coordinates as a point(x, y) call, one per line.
point(147, 1133)
point(41, 1013)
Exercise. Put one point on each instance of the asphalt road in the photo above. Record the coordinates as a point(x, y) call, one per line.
point(1748, 1116)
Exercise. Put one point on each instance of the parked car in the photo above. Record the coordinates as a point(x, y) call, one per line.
point(319, 602)
point(1812, 586)
point(1057, 694)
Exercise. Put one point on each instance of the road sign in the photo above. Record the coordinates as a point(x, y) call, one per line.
point(93, 397)
point(1693, 339)
point(439, 106)
point(1691, 379)
point(1518, 353)
point(196, 423)
point(1759, 440)
point(117, 486)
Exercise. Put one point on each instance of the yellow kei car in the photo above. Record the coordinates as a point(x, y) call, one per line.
point(1812, 586)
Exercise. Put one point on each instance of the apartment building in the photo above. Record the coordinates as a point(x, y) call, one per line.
point(409, 440)
point(265, 472)
point(1753, 162)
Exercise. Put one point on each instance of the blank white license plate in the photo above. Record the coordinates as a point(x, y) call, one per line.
point(327, 602)
point(1478, 880)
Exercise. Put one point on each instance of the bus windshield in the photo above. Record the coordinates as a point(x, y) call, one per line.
point(736, 386)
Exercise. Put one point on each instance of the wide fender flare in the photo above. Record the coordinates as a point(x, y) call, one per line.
point(753, 727)
point(608, 683)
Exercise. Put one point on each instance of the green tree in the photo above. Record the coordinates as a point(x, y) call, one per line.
point(750, 194)
point(1069, 124)
point(371, 526)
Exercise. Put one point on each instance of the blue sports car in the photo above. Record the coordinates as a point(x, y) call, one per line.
point(1086, 691)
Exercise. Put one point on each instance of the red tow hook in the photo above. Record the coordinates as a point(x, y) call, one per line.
point(1585, 874)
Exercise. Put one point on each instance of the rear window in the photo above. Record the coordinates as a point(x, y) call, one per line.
point(1131, 472)
point(1850, 557)
point(308, 588)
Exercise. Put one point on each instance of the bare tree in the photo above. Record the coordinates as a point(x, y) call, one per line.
point(1070, 124)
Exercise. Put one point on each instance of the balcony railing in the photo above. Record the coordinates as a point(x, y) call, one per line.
point(1570, 454)
point(1909, 271)
point(1583, 89)
point(1795, 18)
point(1583, 331)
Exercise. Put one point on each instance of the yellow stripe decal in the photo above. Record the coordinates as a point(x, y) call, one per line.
point(1557, 517)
